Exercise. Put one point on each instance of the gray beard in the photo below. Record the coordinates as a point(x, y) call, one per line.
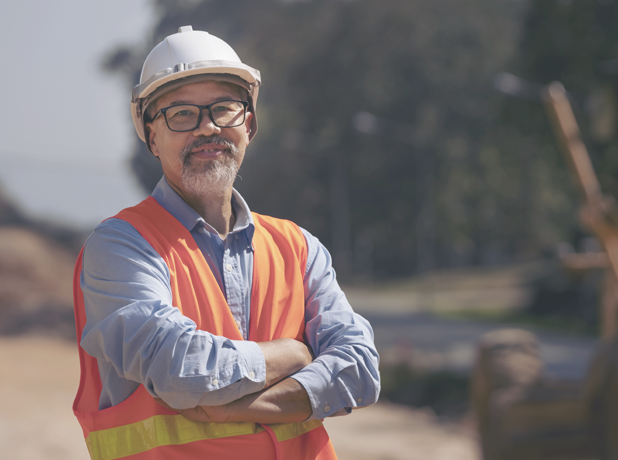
point(212, 177)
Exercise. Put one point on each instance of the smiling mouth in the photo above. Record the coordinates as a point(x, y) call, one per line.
point(209, 149)
point(208, 153)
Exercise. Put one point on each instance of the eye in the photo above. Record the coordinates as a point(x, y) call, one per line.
point(181, 112)
point(223, 107)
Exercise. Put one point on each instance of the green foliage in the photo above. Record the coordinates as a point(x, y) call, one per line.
point(479, 181)
point(570, 41)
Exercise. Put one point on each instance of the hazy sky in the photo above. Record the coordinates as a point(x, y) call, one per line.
point(65, 126)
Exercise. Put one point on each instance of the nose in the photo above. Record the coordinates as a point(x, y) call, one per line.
point(206, 126)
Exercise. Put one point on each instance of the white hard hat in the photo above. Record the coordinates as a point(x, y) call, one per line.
point(187, 57)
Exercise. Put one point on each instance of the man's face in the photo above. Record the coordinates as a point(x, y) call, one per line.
point(205, 160)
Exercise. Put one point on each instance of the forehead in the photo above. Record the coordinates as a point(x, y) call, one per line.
point(203, 92)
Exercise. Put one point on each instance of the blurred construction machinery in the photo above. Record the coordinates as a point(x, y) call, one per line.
point(522, 414)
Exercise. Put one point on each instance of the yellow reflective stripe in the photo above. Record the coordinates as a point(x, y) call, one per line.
point(156, 431)
point(165, 430)
point(285, 431)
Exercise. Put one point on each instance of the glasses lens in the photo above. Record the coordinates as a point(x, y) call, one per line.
point(182, 117)
point(228, 114)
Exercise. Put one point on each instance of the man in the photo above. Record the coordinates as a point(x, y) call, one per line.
point(208, 331)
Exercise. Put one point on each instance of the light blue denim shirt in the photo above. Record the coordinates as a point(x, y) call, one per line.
point(138, 336)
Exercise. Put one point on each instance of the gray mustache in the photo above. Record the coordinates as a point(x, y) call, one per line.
point(211, 140)
point(207, 140)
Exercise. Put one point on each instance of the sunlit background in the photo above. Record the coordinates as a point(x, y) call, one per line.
point(65, 124)
point(408, 135)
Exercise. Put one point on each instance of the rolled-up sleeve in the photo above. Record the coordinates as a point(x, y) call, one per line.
point(139, 337)
point(345, 372)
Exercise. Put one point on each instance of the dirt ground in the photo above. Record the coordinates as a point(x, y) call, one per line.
point(38, 379)
point(391, 432)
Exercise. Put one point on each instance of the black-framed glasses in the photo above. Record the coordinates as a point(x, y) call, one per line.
point(187, 117)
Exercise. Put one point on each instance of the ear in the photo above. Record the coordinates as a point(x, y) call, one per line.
point(248, 119)
point(151, 135)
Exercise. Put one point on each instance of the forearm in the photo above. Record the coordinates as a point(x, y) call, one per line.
point(284, 402)
point(231, 370)
point(138, 336)
point(342, 377)
point(283, 357)
point(345, 373)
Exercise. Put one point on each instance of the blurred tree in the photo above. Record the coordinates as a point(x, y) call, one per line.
point(575, 42)
point(479, 181)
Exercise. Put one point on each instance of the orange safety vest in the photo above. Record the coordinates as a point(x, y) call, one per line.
point(140, 428)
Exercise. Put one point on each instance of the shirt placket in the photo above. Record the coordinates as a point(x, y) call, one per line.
point(234, 283)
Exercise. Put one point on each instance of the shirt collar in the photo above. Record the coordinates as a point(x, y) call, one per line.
point(167, 197)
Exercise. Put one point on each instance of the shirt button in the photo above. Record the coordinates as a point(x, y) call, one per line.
point(359, 400)
point(202, 230)
point(251, 375)
point(228, 267)
point(215, 382)
point(237, 236)
point(327, 409)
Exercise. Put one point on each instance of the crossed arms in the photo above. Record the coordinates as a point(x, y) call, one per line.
point(284, 400)
point(138, 337)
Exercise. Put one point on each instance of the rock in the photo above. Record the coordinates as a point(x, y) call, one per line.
point(519, 414)
point(35, 284)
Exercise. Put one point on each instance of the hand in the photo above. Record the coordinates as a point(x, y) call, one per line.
point(284, 402)
point(204, 414)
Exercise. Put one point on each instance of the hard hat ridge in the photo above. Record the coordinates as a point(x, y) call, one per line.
point(188, 57)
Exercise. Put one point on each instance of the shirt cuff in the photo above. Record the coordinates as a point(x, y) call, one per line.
point(254, 372)
point(323, 393)
point(232, 383)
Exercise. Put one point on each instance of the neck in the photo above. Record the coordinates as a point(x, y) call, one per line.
point(216, 209)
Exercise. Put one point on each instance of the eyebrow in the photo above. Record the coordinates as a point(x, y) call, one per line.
point(182, 101)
